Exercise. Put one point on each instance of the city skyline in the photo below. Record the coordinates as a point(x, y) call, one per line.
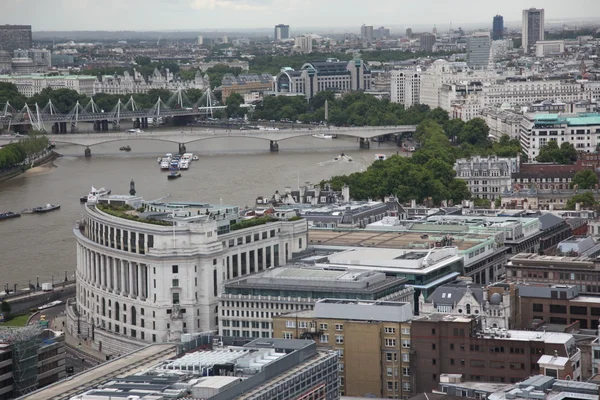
point(246, 14)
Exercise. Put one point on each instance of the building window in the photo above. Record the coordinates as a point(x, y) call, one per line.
point(324, 338)
point(175, 269)
point(175, 298)
point(538, 307)
point(287, 335)
point(390, 342)
point(406, 343)
point(389, 329)
point(290, 324)
point(323, 327)
point(175, 283)
point(339, 327)
point(405, 371)
point(339, 339)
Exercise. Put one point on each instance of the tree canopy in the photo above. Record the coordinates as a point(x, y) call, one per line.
point(585, 179)
point(428, 174)
point(29, 147)
point(551, 152)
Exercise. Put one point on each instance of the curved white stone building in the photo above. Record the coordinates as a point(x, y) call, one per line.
point(152, 275)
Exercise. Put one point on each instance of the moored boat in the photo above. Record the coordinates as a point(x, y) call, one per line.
point(164, 164)
point(92, 196)
point(381, 157)
point(195, 158)
point(125, 148)
point(9, 215)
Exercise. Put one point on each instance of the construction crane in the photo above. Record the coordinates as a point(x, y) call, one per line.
point(158, 41)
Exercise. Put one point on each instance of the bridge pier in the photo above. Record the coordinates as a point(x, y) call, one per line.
point(87, 152)
point(182, 148)
point(144, 123)
point(104, 125)
point(274, 146)
point(364, 143)
point(55, 127)
point(97, 125)
point(136, 123)
point(62, 127)
point(116, 126)
point(74, 128)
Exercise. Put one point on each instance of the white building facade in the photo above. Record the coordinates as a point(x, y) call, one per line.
point(487, 177)
point(581, 130)
point(405, 87)
point(152, 282)
point(29, 85)
point(317, 76)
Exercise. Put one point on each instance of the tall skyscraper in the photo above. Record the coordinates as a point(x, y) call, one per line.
point(478, 50)
point(427, 42)
point(281, 32)
point(14, 37)
point(366, 33)
point(498, 28)
point(533, 27)
point(409, 33)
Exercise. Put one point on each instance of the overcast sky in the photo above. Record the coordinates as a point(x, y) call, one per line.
point(203, 15)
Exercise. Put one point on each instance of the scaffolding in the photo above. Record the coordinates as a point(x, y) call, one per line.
point(25, 343)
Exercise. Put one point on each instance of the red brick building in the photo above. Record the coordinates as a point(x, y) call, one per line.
point(444, 344)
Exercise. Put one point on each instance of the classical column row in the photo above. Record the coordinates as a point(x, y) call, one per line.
point(258, 265)
point(123, 277)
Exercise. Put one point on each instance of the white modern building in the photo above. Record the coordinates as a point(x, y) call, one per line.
point(29, 85)
point(545, 48)
point(581, 130)
point(317, 76)
point(303, 43)
point(151, 272)
point(487, 177)
point(478, 50)
point(405, 87)
point(532, 29)
point(442, 72)
point(249, 303)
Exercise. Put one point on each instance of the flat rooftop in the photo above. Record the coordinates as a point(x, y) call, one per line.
point(394, 260)
point(391, 240)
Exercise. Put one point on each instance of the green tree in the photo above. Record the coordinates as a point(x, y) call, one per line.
point(9, 93)
point(474, 132)
point(586, 200)
point(551, 152)
point(143, 60)
point(585, 179)
point(234, 101)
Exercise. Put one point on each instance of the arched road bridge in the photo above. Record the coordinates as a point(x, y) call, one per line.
point(364, 134)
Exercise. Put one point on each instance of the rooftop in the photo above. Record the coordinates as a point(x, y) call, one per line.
point(583, 119)
point(315, 278)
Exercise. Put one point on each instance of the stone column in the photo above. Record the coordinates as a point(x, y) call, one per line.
point(113, 263)
point(141, 291)
point(123, 286)
point(132, 292)
point(97, 266)
point(104, 271)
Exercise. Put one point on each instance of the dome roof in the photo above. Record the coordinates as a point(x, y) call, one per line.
point(496, 298)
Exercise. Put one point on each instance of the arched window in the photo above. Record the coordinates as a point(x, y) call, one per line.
point(133, 315)
point(117, 311)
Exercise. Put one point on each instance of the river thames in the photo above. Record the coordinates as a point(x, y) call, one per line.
point(234, 171)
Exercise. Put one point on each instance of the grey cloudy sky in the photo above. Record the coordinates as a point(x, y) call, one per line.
point(205, 15)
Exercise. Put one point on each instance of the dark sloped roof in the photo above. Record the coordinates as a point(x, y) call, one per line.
point(453, 292)
point(550, 220)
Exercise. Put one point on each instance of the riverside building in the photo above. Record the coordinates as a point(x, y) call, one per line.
point(150, 272)
point(317, 76)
